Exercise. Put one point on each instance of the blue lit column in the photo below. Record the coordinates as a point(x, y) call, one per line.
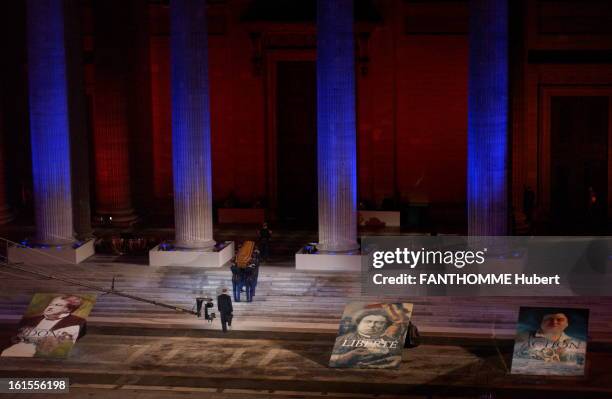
point(49, 121)
point(336, 131)
point(488, 118)
point(191, 125)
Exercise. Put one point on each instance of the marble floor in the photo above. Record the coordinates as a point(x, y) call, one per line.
point(140, 363)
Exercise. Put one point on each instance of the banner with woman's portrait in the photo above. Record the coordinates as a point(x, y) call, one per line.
point(371, 335)
point(50, 326)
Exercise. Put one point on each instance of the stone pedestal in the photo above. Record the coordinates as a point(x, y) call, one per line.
point(329, 261)
point(50, 255)
point(194, 258)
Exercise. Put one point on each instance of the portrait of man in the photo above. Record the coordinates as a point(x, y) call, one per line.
point(374, 337)
point(550, 341)
point(51, 326)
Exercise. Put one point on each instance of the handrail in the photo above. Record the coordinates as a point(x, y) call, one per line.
point(4, 262)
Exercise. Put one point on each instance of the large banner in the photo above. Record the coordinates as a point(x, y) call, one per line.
point(551, 341)
point(50, 326)
point(371, 335)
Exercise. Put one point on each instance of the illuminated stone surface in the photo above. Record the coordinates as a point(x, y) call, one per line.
point(115, 113)
point(336, 131)
point(488, 119)
point(191, 147)
point(49, 125)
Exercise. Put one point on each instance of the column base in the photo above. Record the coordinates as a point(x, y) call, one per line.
point(339, 248)
point(48, 255)
point(328, 261)
point(125, 218)
point(214, 257)
point(203, 246)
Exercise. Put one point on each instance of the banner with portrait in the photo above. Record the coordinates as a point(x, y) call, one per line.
point(551, 341)
point(371, 335)
point(50, 326)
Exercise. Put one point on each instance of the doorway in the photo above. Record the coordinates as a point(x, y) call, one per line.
point(579, 130)
point(296, 142)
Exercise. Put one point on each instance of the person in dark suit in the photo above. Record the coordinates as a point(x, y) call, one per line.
point(250, 282)
point(265, 235)
point(250, 276)
point(224, 304)
point(237, 281)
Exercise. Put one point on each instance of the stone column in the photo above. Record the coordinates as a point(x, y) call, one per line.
point(5, 211)
point(191, 146)
point(49, 126)
point(487, 192)
point(336, 130)
point(110, 107)
point(79, 135)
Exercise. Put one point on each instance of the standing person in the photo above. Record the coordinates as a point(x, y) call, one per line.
point(255, 276)
point(210, 316)
point(237, 281)
point(265, 235)
point(224, 304)
point(250, 281)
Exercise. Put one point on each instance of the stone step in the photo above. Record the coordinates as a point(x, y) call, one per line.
point(283, 296)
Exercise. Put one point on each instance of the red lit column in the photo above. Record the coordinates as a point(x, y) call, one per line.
point(111, 112)
point(5, 212)
point(79, 140)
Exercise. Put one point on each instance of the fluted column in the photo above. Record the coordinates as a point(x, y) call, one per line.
point(79, 135)
point(110, 107)
point(49, 128)
point(5, 211)
point(191, 146)
point(488, 118)
point(336, 131)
